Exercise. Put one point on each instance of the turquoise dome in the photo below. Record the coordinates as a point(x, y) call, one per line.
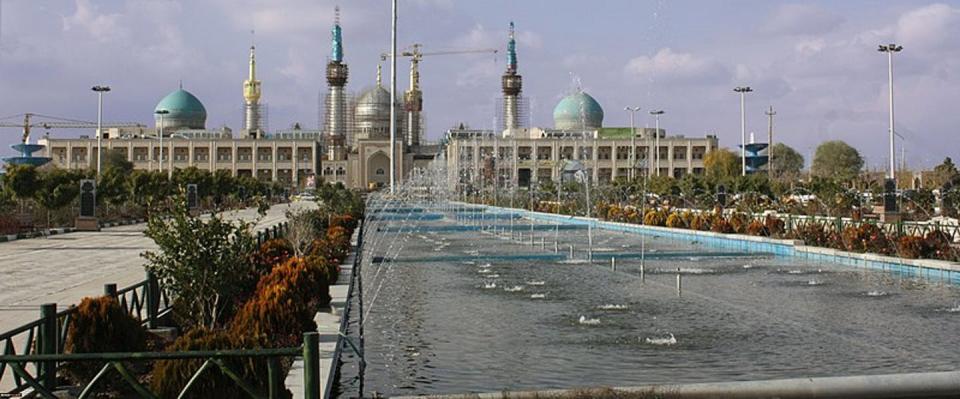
point(578, 111)
point(186, 111)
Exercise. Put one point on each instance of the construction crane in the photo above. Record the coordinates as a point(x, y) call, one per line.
point(413, 98)
point(57, 123)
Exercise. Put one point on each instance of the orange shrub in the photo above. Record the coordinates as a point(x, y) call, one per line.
point(283, 305)
point(101, 325)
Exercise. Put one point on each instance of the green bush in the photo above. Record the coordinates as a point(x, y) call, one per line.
point(101, 325)
point(170, 376)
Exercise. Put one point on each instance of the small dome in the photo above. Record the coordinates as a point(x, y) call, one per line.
point(185, 111)
point(373, 102)
point(578, 111)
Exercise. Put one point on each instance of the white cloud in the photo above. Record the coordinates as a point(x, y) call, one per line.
point(801, 19)
point(672, 67)
point(87, 19)
point(932, 27)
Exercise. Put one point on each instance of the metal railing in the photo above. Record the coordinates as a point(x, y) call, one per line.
point(44, 384)
point(146, 301)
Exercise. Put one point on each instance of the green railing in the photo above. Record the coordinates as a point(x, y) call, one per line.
point(146, 301)
point(44, 386)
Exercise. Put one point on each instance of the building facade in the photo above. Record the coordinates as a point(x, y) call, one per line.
point(351, 147)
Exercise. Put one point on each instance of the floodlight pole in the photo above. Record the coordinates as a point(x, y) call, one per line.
point(743, 90)
point(393, 98)
point(656, 140)
point(100, 90)
point(633, 142)
point(890, 49)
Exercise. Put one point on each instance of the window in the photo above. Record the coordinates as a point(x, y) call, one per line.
point(380, 172)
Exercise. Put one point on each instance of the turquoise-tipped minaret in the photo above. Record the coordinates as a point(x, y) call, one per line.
point(512, 84)
point(336, 53)
point(336, 104)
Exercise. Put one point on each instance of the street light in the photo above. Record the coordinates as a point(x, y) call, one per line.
point(890, 49)
point(656, 138)
point(100, 90)
point(743, 90)
point(161, 112)
point(633, 142)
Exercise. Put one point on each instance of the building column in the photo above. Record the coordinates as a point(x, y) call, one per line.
point(190, 153)
point(594, 159)
point(273, 157)
point(170, 154)
point(296, 161)
point(689, 156)
point(253, 159)
point(233, 158)
point(69, 155)
point(670, 157)
point(90, 154)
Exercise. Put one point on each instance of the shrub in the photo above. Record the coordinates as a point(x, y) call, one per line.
point(739, 222)
point(655, 218)
point(676, 221)
point(284, 304)
point(939, 244)
point(271, 253)
point(101, 325)
point(912, 247)
point(700, 222)
point(170, 376)
point(775, 227)
point(811, 233)
point(865, 238)
point(720, 224)
point(756, 228)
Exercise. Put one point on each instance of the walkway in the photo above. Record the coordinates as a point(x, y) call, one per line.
point(64, 269)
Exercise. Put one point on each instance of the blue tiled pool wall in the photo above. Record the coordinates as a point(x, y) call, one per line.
point(894, 267)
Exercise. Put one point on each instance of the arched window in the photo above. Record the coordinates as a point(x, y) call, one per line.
point(380, 171)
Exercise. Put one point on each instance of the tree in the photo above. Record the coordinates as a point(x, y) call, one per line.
point(786, 161)
point(721, 164)
point(56, 188)
point(945, 174)
point(114, 186)
point(838, 160)
point(22, 180)
point(117, 158)
point(202, 261)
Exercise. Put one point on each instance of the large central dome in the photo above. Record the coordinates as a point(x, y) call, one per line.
point(578, 111)
point(185, 111)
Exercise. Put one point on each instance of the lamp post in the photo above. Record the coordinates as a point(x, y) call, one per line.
point(633, 142)
point(743, 90)
point(161, 112)
point(100, 90)
point(393, 98)
point(656, 134)
point(890, 49)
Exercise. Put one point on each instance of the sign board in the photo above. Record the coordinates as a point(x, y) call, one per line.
point(88, 198)
point(889, 195)
point(193, 201)
point(722, 195)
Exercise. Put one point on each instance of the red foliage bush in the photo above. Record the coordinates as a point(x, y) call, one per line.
point(755, 228)
point(865, 238)
point(811, 233)
point(775, 227)
point(720, 224)
point(101, 325)
point(271, 253)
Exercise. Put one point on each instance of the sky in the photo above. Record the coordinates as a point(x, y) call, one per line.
point(815, 62)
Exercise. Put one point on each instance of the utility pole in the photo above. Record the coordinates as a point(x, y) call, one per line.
point(770, 115)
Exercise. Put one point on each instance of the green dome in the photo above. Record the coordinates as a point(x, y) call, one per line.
point(185, 111)
point(578, 111)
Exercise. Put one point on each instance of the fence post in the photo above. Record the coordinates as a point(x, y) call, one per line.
point(153, 300)
point(47, 345)
point(311, 365)
point(110, 290)
point(275, 381)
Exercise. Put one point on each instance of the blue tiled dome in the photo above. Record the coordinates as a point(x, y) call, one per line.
point(186, 111)
point(578, 111)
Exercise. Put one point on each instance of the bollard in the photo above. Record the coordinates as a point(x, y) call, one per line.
point(153, 300)
point(679, 284)
point(311, 365)
point(110, 290)
point(613, 264)
point(47, 345)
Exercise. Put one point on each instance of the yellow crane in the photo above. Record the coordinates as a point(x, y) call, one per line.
point(28, 122)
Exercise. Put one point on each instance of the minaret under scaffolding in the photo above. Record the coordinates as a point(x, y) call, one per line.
point(253, 118)
point(336, 103)
point(512, 114)
point(413, 102)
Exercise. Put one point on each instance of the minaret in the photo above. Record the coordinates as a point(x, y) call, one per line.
point(336, 107)
point(413, 100)
point(512, 84)
point(251, 95)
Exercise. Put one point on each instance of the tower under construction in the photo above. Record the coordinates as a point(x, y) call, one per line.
point(335, 118)
point(413, 103)
point(253, 115)
point(513, 110)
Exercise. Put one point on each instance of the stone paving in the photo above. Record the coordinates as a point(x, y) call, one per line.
point(64, 269)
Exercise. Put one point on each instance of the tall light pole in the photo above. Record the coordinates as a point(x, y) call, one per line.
point(743, 90)
point(393, 98)
point(656, 141)
point(890, 49)
point(770, 115)
point(161, 112)
point(100, 90)
point(633, 142)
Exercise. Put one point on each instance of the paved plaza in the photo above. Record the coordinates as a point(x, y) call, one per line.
point(64, 269)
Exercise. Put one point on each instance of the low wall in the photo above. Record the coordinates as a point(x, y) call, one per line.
point(935, 270)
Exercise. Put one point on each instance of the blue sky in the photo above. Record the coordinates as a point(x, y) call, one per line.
point(814, 61)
